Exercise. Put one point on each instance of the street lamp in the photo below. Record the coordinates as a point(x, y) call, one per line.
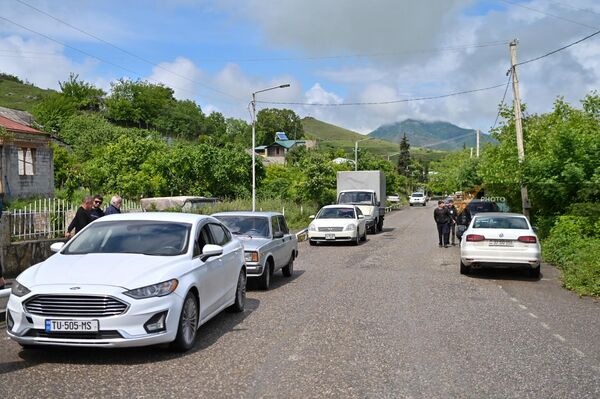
point(254, 139)
point(356, 152)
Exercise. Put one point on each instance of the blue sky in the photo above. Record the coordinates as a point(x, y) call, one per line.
point(217, 52)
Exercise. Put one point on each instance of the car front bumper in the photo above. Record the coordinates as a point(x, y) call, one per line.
point(320, 236)
point(254, 269)
point(124, 330)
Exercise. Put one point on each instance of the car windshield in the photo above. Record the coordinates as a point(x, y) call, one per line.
point(336, 213)
point(254, 226)
point(500, 222)
point(417, 195)
point(132, 237)
point(482, 206)
point(356, 197)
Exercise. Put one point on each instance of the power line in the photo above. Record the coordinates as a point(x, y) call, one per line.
point(559, 49)
point(127, 52)
point(384, 102)
point(548, 14)
point(503, 97)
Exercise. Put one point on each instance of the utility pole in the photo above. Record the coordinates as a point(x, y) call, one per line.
point(471, 153)
point(518, 125)
point(477, 153)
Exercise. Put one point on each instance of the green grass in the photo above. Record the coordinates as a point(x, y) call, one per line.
point(20, 96)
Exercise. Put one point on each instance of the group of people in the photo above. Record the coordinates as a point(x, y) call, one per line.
point(447, 218)
point(90, 210)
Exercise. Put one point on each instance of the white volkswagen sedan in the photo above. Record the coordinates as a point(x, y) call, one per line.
point(501, 240)
point(130, 280)
point(338, 223)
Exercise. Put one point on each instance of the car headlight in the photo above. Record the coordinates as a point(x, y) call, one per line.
point(350, 227)
point(19, 289)
point(251, 256)
point(160, 289)
point(312, 227)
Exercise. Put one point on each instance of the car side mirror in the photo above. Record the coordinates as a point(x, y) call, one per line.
point(278, 234)
point(57, 246)
point(211, 250)
point(311, 217)
point(361, 216)
point(378, 203)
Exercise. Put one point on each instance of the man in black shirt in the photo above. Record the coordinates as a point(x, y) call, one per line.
point(96, 211)
point(442, 218)
point(82, 217)
point(453, 214)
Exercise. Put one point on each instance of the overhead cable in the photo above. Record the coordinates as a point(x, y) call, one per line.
point(559, 49)
point(549, 15)
point(503, 98)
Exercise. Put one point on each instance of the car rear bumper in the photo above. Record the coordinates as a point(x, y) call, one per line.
point(505, 259)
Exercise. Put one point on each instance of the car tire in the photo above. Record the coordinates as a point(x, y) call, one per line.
point(464, 269)
point(288, 269)
point(312, 243)
point(240, 294)
point(410, 204)
point(380, 225)
point(424, 204)
point(188, 324)
point(534, 273)
point(264, 282)
point(356, 240)
point(364, 236)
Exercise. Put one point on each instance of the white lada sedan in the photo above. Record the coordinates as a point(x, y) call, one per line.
point(338, 223)
point(130, 280)
point(501, 240)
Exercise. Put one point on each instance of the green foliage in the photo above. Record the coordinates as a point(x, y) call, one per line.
point(404, 157)
point(272, 120)
point(16, 94)
point(457, 171)
point(84, 96)
point(183, 119)
point(215, 125)
point(53, 112)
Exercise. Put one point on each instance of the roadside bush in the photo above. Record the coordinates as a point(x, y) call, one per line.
point(573, 246)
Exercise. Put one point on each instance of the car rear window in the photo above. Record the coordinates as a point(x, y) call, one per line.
point(500, 222)
point(417, 194)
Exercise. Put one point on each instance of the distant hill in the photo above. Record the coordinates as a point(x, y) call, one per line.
point(333, 137)
point(435, 135)
point(17, 94)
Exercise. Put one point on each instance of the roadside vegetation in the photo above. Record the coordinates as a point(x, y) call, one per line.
point(562, 174)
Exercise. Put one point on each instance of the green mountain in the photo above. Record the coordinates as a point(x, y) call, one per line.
point(436, 135)
point(332, 137)
point(16, 94)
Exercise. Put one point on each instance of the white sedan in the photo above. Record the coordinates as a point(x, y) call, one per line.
point(338, 223)
point(130, 280)
point(501, 240)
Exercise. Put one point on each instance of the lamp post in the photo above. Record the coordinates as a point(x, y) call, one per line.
point(356, 152)
point(254, 139)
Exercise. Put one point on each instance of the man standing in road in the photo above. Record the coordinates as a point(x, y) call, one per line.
point(82, 217)
point(441, 215)
point(452, 226)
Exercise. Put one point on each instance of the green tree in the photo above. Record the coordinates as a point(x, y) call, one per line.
point(183, 119)
point(84, 96)
point(53, 112)
point(272, 120)
point(404, 160)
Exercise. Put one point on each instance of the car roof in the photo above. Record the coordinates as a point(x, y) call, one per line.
point(340, 206)
point(180, 217)
point(247, 213)
point(488, 214)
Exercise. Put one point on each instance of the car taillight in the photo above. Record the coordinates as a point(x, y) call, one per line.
point(475, 237)
point(528, 239)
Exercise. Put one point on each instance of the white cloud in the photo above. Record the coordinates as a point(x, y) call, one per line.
point(318, 95)
point(181, 75)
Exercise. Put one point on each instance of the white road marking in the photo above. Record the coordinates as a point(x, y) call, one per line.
point(558, 337)
point(580, 353)
point(523, 307)
point(532, 315)
point(546, 326)
point(514, 299)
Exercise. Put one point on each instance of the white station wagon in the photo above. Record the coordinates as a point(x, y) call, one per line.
point(130, 280)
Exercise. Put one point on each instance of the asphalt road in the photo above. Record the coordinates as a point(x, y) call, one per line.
point(390, 318)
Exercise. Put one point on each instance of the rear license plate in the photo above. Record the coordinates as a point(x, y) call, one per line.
point(330, 236)
point(71, 325)
point(501, 243)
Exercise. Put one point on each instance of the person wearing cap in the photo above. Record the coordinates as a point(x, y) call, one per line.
point(453, 214)
point(441, 215)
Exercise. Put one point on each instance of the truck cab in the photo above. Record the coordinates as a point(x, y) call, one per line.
point(367, 202)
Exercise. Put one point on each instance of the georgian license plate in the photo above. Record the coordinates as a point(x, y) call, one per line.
point(501, 243)
point(71, 325)
point(330, 236)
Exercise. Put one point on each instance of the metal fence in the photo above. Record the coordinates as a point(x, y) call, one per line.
point(49, 218)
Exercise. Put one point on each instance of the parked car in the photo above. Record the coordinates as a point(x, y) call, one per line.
point(417, 199)
point(268, 244)
point(131, 279)
point(476, 205)
point(338, 223)
point(500, 240)
point(393, 197)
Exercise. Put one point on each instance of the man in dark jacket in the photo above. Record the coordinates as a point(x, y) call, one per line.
point(453, 214)
point(96, 211)
point(115, 205)
point(463, 220)
point(82, 217)
point(441, 215)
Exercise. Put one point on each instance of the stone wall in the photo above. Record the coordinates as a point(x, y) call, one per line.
point(41, 184)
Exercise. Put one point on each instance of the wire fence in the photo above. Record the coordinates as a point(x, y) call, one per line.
point(49, 218)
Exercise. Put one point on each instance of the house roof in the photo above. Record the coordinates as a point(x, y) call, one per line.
point(13, 126)
point(288, 143)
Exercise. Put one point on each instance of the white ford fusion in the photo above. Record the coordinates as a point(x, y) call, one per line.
point(338, 223)
point(130, 280)
point(500, 240)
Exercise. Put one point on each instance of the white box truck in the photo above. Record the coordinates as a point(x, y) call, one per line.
point(365, 189)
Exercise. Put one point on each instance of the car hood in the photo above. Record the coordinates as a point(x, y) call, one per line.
point(254, 243)
point(122, 270)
